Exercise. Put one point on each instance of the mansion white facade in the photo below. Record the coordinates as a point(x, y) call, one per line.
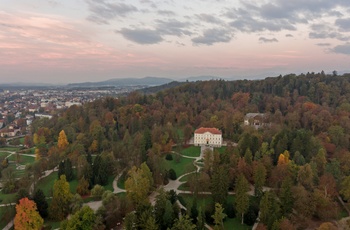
point(207, 136)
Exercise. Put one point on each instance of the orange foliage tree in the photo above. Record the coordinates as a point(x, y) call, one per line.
point(27, 216)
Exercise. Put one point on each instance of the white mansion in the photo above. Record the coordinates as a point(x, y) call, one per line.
point(207, 136)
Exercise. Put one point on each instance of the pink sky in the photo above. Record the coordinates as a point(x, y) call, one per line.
point(88, 40)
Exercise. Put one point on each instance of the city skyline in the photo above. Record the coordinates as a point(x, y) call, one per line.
point(88, 40)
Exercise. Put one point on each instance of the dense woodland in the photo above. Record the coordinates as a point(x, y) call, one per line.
point(299, 165)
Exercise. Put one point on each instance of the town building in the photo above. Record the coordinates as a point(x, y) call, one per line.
point(207, 136)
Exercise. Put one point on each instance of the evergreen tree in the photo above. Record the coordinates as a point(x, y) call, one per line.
point(194, 211)
point(41, 203)
point(242, 198)
point(286, 196)
point(220, 184)
point(68, 169)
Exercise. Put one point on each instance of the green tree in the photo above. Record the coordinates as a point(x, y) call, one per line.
point(21, 194)
point(183, 223)
point(259, 179)
point(97, 191)
point(27, 217)
point(345, 188)
point(83, 219)
point(219, 184)
point(219, 217)
point(269, 209)
point(242, 197)
point(76, 203)
point(41, 203)
point(286, 196)
point(61, 198)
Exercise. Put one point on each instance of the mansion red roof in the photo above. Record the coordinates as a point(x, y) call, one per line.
point(202, 130)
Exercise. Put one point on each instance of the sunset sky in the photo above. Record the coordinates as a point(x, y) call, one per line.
point(65, 41)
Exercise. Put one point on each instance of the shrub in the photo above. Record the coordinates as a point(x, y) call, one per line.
point(172, 196)
point(250, 216)
point(169, 157)
point(229, 210)
point(97, 191)
point(172, 174)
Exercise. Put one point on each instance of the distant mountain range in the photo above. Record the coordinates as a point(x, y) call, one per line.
point(115, 82)
point(120, 82)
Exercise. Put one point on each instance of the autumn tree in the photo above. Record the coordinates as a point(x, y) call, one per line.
point(139, 184)
point(83, 187)
point(27, 216)
point(61, 198)
point(62, 141)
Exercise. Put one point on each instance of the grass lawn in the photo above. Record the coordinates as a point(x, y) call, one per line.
point(7, 198)
point(109, 185)
point(235, 224)
point(46, 184)
point(4, 154)
point(6, 215)
point(21, 140)
point(54, 225)
point(23, 160)
point(12, 149)
point(183, 166)
point(185, 178)
point(221, 149)
point(192, 151)
point(121, 181)
point(73, 186)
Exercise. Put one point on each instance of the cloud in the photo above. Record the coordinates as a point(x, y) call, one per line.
point(141, 36)
point(323, 44)
point(167, 13)
point(277, 15)
point(211, 36)
point(172, 27)
point(343, 24)
point(103, 11)
point(267, 40)
point(249, 24)
point(342, 49)
point(289, 36)
point(324, 31)
point(209, 19)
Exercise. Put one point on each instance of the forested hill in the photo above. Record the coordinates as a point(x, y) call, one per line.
point(302, 153)
point(312, 101)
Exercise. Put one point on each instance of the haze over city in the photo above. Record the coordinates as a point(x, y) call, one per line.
point(91, 40)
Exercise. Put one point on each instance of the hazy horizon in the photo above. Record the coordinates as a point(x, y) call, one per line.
point(51, 41)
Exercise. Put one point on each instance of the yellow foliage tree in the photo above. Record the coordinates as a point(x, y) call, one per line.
point(62, 141)
point(27, 217)
point(283, 158)
point(139, 184)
